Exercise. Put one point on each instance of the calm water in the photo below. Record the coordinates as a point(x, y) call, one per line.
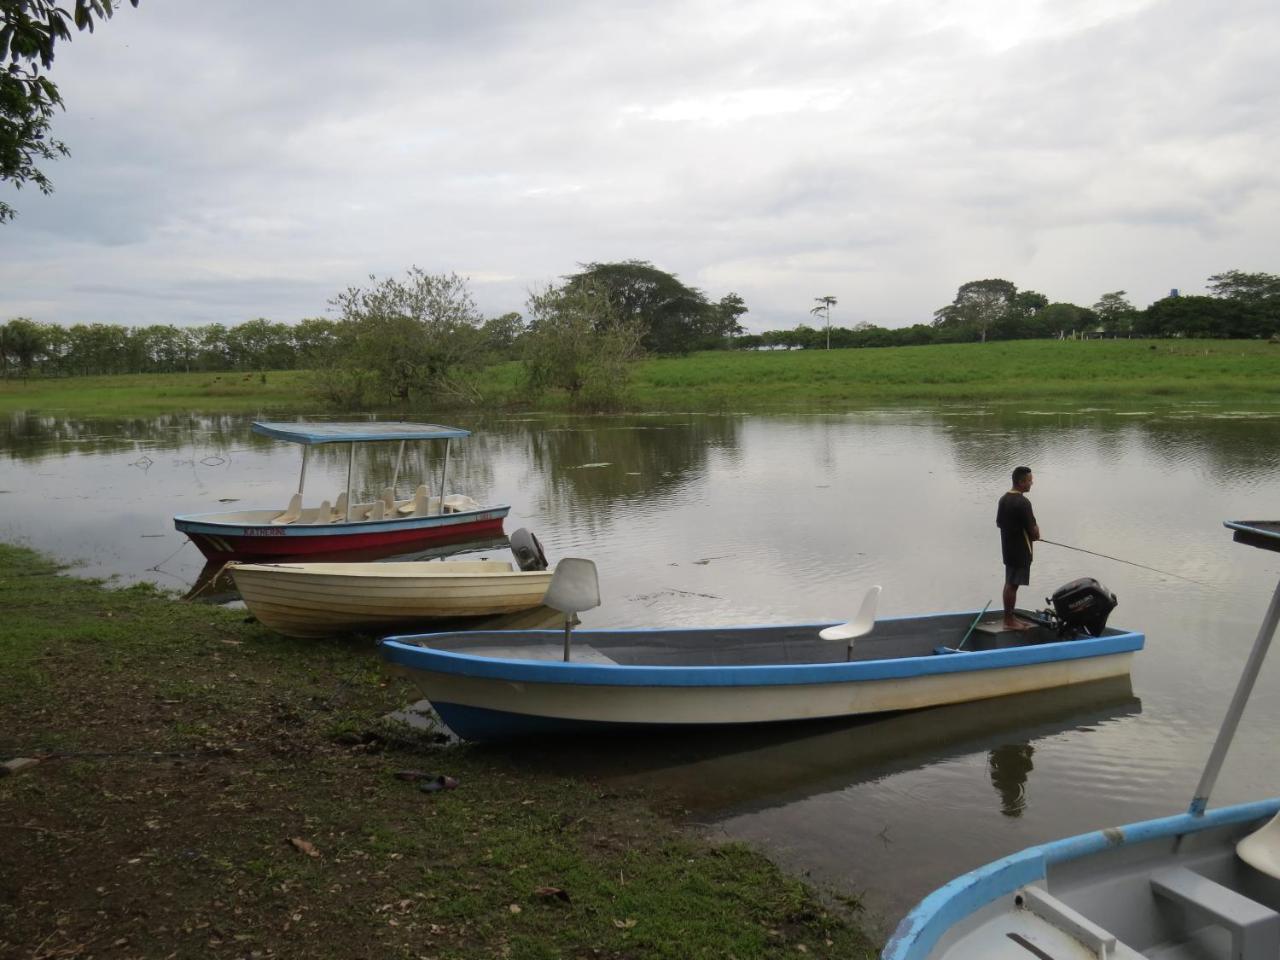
point(749, 519)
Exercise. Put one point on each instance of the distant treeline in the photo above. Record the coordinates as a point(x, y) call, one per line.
point(667, 317)
point(1240, 306)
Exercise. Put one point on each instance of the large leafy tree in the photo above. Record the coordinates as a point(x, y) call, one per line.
point(29, 31)
point(675, 318)
point(978, 306)
point(1115, 312)
point(1250, 287)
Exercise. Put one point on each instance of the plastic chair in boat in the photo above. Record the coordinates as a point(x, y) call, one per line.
point(324, 514)
point(574, 587)
point(1261, 849)
point(418, 505)
point(857, 627)
point(377, 511)
point(293, 512)
point(340, 507)
point(388, 502)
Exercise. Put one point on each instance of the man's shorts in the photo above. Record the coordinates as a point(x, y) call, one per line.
point(1017, 576)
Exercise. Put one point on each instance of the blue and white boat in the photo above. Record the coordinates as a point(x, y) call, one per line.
point(489, 685)
point(1200, 885)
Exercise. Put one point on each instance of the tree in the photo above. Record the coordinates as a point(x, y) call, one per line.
point(578, 342)
point(21, 342)
point(400, 338)
point(29, 31)
point(724, 320)
point(824, 307)
point(1115, 312)
point(1251, 287)
point(675, 318)
point(978, 305)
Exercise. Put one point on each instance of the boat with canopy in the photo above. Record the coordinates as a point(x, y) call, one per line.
point(1200, 885)
point(344, 524)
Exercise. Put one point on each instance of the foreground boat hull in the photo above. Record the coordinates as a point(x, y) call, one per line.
point(222, 542)
point(1093, 895)
point(323, 599)
point(494, 694)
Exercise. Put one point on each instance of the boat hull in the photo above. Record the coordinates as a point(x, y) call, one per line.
point(324, 599)
point(482, 697)
point(223, 541)
point(1041, 895)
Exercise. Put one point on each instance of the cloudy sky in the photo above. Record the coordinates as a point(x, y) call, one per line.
point(244, 158)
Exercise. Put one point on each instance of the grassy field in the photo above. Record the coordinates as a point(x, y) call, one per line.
point(1029, 371)
point(209, 789)
point(143, 394)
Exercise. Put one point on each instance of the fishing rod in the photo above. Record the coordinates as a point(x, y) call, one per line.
point(1131, 563)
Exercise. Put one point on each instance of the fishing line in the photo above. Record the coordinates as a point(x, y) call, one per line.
point(1131, 563)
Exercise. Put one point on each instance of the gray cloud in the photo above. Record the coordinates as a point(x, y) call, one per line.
point(236, 160)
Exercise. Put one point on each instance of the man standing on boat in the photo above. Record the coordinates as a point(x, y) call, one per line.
point(1018, 529)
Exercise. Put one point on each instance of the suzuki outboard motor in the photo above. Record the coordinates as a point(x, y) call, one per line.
point(1083, 605)
point(528, 551)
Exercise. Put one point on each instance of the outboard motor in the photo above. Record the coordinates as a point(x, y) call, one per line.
point(528, 551)
point(1083, 606)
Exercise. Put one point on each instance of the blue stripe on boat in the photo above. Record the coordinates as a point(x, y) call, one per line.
point(395, 650)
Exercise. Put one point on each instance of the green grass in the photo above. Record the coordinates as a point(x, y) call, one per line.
point(1029, 370)
point(1024, 370)
point(156, 393)
point(186, 748)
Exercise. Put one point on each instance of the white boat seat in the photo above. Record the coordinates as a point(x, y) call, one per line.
point(340, 507)
point(859, 626)
point(293, 512)
point(1254, 928)
point(459, 503)
point(388, 500)
point(418, 505)
point(377, 511)
point(324, 514)
point(1261, 849)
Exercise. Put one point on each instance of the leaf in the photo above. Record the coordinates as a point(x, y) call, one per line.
point(514, 908)
point(626, 924)
point(304, 846)
point(549, 892)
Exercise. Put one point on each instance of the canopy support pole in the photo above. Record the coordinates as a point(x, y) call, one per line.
point(351, 466)
point(444, 474)
point(395, 477)
point(302, 479)
point(1219, 753)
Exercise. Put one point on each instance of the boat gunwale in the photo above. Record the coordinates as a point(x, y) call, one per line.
point(921, 929)
point(322, 529)
point(398, 650)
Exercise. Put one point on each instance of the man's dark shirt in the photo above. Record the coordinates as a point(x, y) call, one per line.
point(1015, 520)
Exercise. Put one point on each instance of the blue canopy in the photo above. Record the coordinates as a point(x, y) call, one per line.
point(357, 432)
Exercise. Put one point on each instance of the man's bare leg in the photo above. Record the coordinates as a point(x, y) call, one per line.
point(1010, 597)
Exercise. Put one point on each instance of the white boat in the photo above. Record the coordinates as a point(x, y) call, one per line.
point(501, 684)
point(1199, 885)
point(324, 599)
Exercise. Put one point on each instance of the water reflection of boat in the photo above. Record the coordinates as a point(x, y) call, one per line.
point(215, 585)
point(496, 685)
point(344, 525)
point(1201, 885)
point(761, 767)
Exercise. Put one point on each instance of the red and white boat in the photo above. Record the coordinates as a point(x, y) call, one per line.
point(343, 526)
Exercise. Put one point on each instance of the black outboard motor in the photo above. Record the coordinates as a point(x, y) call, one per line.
point(1083, 605)
point(528, 551)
